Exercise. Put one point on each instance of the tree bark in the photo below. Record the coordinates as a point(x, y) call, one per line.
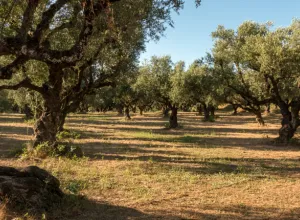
point(235, 108)
point(166, 112)
point(173, 118)
point(290, 121)
point(127, 115)
point(295, 108)
point(212, 111)
point(49, 124)
point(199, 108)
point(62, 121)
point(206, 112)
point(53, 116)
point(141, 110)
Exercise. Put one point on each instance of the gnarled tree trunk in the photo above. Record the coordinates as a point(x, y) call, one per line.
point(53, 115)
point(49, 124)
point(127, 115)
point(173, 118)
point(141, 110)
point(290, 120)
point(206, 112)
point(212, 111)
point(199, 109)
point(62, 120)
point(235, 108)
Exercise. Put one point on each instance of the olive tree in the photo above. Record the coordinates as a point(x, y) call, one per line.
point(143, 91)
point(201, 85)
point(261, 66)
point(162, 81)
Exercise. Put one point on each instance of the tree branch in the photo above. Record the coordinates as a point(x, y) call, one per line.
point(275, 88)
point(247, 97)
point(7, 71)
point(47, 17)
point(27, 19)
point(4, 48)
point(26, 83)
point(103, 84)
point(70, 24)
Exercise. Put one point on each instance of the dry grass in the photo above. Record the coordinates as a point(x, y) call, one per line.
point(139, 170)
point(3, 213)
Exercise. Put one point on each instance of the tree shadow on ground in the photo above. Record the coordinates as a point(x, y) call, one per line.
point(239, 212)
point(189, 141)
point(11, 118)
point(197, 129)
point(76, 207)
point(255, 166)
point(23, 130)
point(9, 146)
point(116, 122)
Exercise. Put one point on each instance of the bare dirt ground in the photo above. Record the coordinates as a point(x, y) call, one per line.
point(137, 169)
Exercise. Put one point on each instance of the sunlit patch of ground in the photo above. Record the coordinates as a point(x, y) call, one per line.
point(138, 169)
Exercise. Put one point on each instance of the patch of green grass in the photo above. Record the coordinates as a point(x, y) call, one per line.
point(151, 136)
point(30, 122)
point(167, 125)
point(16, 152)
point(42, 151)
point(210, 119)
point(77, 175)
point(188, 139)
point(99, 118)
point(75, 186)
point(67, 134)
